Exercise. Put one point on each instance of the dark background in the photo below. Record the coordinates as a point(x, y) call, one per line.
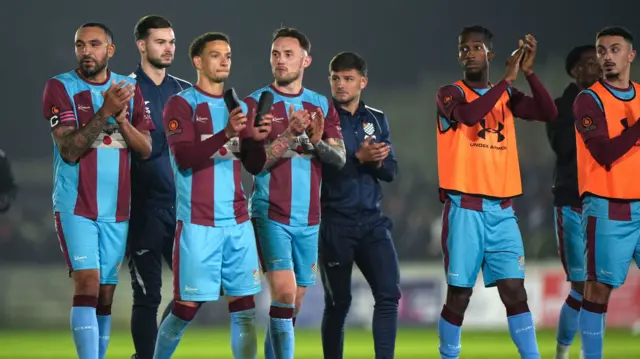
point(411, 50)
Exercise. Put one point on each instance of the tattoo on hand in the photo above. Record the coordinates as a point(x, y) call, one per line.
point(73, 144)
point(332, 154)
point(276, 149)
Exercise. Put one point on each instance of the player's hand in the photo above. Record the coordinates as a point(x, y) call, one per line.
point(116, 97)
point(316, 127)
point(262, 132)
point(513, 63)
point(121, 117)
point(237, 122)
point(298, 121)
point(530, 46)
point(372, 152)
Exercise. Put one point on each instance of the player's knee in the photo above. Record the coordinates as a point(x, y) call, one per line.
point(147, 299)
point(185, 310)
point(106, 293)
point(387, 295)
point(578, 287)
point(283, 286)
point(512, 292)
point(458, 299)
point(337, 306)
point(597, 292)
point(284, 297)
point(86, 282)
point(239, 304)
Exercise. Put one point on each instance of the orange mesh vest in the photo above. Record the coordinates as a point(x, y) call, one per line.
point(620, 180)
point(480, 159)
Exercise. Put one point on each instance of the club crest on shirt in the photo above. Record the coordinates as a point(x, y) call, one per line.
point(110, 138)
point(301, 147)
point(587, 124)
point(173, 128)
point(369, 130)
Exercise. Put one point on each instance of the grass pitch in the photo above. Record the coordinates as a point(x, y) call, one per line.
point(200, 342)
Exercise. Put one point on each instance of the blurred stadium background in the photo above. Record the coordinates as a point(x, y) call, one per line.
point(410, 47)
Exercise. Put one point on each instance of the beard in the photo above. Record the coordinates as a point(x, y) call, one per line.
point(217, 79)
point(157, 62)
point(286, 79)
point(89, 72)
point(612, 75)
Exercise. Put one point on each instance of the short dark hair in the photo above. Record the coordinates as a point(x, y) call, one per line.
point(477, 29)
point(104, 28)
point(198, 44)
point(575, 55)
point(348, 61)
point(141, 31)
point(294, 33)
point(616, 31)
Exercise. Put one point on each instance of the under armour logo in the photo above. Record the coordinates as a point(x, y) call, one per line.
point(625, 126)
point(483, 133)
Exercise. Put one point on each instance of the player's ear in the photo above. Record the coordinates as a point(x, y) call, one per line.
point(111, 50)
point(490, 55)
point(197, 62)
point(364, 80)
point(141, 45)
point(574, 71)
point(307, 61)
point(632, 55)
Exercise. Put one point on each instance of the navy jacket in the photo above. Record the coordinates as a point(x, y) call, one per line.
point(352, 195)
point(562, 137)
point(152, 179)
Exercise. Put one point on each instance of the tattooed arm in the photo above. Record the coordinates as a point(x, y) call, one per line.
point(72, 140)
point(331, 152)
point(276, 149)
point(73, 143)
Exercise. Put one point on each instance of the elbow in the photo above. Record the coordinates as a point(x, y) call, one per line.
point(183, 164)
point(70, 159)
point(601, 154)
point(253, 164)
point(551, 116)
point(391, 177)
point(146, 151)
point(182, 160)
point(253, 157)
point(341, 162)
point(604, 161)
point(254, 170)
point(68, 156)
point(390, 174)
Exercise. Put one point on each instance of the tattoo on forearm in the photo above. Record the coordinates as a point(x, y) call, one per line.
point(73, 144)
point(276, 149)
point(334, 155)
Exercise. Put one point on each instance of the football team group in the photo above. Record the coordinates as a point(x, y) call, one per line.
point(148, 167)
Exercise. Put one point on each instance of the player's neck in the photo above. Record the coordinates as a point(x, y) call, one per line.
point(210, 87)
point(477, 80)
point(291, 88)
point(155, 74)
point(98, 78)
point(351, 106)
point(622, 81)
